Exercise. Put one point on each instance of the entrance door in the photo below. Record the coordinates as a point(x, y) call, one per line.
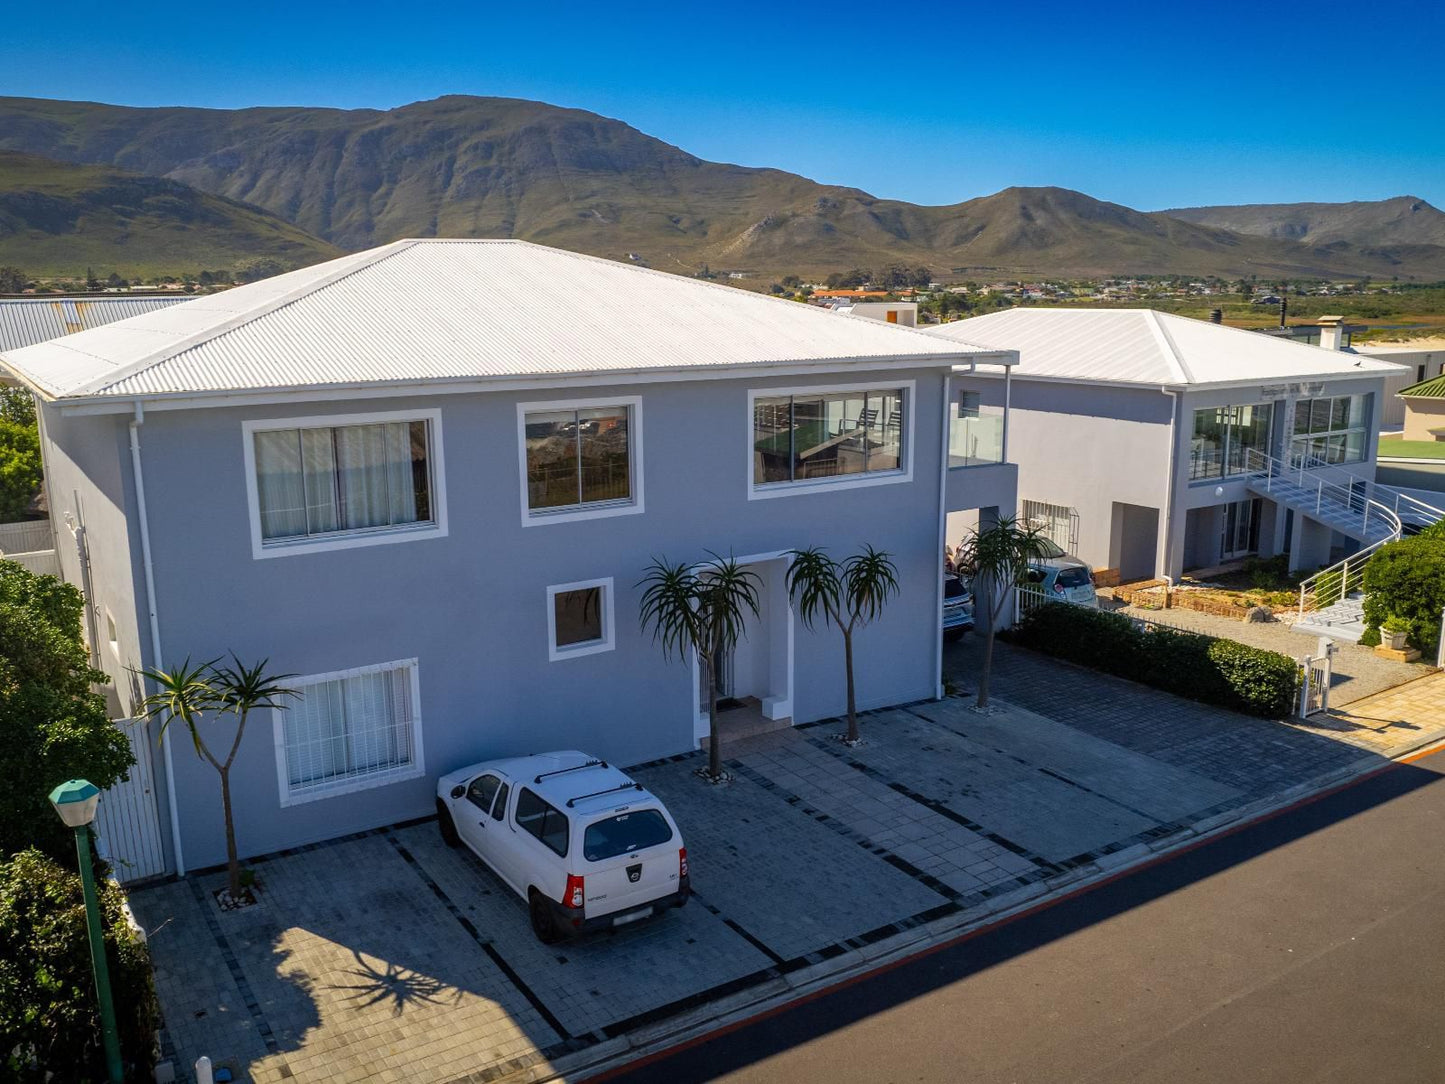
point(1241, 530)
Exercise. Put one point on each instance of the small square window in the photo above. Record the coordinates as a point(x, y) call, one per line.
point(579, 618)
point(112, 637)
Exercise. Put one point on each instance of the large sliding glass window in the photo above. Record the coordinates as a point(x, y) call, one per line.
point(327, 480)
point(578, 458)
point(1332, 430)
point(1224, 436)
point(826, 435)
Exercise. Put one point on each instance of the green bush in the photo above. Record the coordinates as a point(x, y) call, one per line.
point(49, 1023)
point(1329, 588)
point(1370, 638)
point(1192, 665)
point(1406, 580)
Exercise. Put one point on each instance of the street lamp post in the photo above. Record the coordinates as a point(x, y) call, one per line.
point(75, 801)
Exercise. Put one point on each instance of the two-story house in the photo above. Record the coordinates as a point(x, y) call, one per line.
point(1151, 444)
point(426, 479)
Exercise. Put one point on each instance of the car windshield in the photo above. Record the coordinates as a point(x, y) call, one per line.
point(1049, 549)
point(1074, 576)
point(624, 833)
point(953, 588)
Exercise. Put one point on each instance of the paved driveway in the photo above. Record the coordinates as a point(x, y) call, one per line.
point(388, 956)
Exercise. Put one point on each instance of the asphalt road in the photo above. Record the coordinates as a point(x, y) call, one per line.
point(1307, 947)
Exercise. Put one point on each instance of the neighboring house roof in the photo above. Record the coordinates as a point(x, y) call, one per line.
point(1427, 389)
point(1142, 346)
point(30, 320)
point(443, 311)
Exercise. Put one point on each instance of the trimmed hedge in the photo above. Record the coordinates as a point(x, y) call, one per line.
point(1212, 671)
point(1405, 579)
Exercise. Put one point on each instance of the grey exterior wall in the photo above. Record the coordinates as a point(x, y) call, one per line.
point(88, 478)
point(471, 606)
point(1092, 447)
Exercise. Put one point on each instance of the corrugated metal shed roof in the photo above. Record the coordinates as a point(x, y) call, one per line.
point(1433, 388)
point(1142, 346)
point(443, 311)
point(25, 321)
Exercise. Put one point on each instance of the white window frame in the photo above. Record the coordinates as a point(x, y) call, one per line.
point(597, 510)
point(768, 490)
point(342, 540)
point(318, 791)
point(590, 647)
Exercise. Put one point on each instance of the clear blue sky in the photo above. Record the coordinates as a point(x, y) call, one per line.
point(1151, 105)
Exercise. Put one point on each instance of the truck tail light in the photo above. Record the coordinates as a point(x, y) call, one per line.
point(572, 896)
point(682, 862)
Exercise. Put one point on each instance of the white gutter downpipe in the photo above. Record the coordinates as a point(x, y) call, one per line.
point(1178, 398)
point(942, 529)
point(145, 552)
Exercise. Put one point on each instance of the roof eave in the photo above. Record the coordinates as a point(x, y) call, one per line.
point(119, 402)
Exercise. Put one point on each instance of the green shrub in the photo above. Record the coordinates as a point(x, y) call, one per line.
point(1192, 665)
point(48, 1017)
point(1406, 580)
point(1370, 638)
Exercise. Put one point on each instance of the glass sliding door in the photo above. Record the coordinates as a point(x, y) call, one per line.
point(1224, 436)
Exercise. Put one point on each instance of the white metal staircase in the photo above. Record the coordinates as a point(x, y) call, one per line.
point(1362, 509)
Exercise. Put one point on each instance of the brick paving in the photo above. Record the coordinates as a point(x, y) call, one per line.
point(389, 956)
point(1390, 722)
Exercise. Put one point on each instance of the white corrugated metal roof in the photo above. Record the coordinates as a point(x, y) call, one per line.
point(1142, 346)
point(443, 311)
point(25, 321)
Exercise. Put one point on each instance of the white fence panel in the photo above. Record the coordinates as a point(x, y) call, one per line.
point(26, 536)
point(128, 824)
point(39, 562)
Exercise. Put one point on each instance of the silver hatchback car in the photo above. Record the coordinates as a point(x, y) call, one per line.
point(1063, 576)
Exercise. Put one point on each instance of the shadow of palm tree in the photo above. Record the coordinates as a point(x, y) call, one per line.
point(401, 986)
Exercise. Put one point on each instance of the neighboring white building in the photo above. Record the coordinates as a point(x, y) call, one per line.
point(1153, 444)
point(903, 313)
point(1415, 366)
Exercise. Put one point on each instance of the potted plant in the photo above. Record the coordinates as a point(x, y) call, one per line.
point(1393, 632)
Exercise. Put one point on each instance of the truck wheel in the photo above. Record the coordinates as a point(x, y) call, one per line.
point(447, 825)
point(544, 925)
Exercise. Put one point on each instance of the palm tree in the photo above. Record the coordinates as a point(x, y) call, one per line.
point(849, 596)
point(188, 692)
point(702, 609)
point(998, 559)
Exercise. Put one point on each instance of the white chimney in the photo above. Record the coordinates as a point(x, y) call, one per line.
point(1332, 332)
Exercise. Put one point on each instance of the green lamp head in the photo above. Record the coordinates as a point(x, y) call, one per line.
point(75, 800)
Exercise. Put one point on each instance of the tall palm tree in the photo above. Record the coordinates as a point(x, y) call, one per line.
point(998, 559)
point(849, 596)
point(702, 609)
point(189, 692)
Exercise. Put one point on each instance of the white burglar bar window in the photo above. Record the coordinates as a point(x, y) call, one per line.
point(352, 729)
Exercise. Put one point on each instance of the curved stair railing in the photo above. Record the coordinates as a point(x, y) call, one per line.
point(1383, 511)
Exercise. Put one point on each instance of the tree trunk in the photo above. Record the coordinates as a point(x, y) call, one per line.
point(714, 742)
point(987, 666)
point(233, 866)
point(852, 704)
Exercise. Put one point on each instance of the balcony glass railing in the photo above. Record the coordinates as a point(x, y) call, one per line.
point(976, 439)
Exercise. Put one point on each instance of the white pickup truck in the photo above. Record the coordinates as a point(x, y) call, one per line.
point(587, 847)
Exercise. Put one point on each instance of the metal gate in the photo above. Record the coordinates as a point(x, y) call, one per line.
point(128, 823)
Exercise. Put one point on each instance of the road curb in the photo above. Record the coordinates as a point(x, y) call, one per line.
point(777, 994)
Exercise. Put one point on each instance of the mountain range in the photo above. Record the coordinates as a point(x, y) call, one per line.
point(498, 167)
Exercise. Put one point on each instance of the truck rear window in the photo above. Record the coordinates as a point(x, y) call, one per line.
point(624, 833)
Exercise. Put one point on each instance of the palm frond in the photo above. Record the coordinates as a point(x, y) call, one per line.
point(242, 689)
point(870, 579)
point(669, 607)
point(184, 692)
point(814, 585)
point(726, 592)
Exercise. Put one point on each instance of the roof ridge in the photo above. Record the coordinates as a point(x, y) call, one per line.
point(1162, 333)
point(236, 319)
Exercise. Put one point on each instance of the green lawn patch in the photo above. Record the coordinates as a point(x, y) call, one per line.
point(1412, 449)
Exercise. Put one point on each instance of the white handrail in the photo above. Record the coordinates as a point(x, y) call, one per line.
point(1354, 497)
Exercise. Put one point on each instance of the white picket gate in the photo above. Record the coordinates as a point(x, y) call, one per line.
point(128, 823)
